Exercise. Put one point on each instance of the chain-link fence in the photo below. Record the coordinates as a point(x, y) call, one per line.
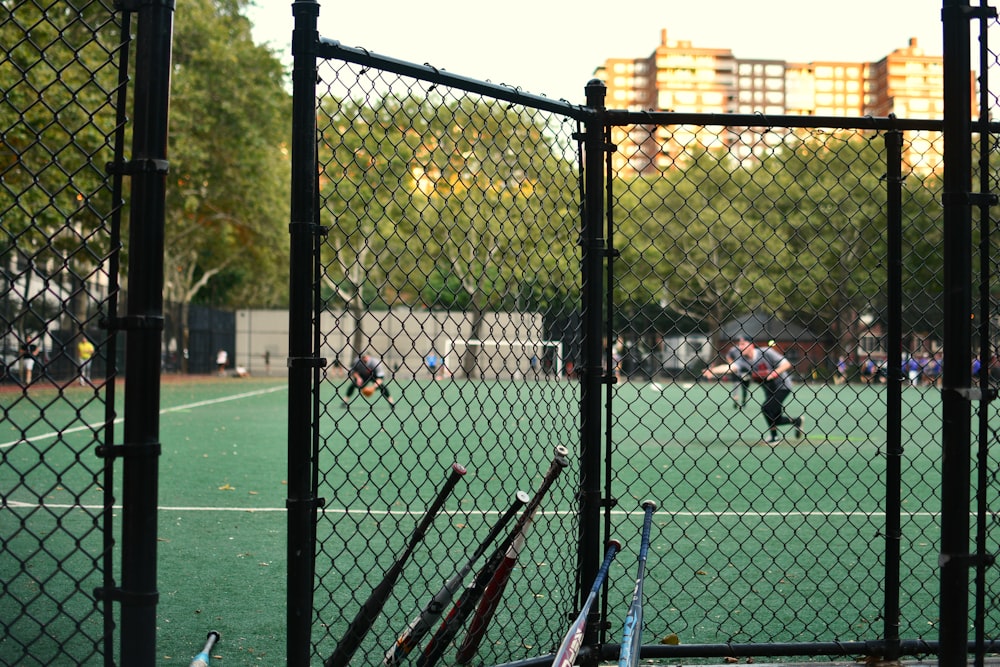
point(467, 206)
point(799, 510)
point(779, 509)
point(532, 276)
point(60, 123)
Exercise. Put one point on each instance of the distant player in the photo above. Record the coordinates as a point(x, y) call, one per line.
point(84, 353)
point(367, 370)
point(433, 362)
point(772, 371)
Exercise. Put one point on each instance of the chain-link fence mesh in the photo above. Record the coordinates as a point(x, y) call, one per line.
point(783, 235)
point(451, 252)
point(468, 208)
point(59, 124)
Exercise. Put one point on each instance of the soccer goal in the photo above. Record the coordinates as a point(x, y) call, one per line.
point(503, 359)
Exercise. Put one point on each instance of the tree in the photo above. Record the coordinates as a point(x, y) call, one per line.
point(799, 233)
point(459, 204)
point(227, 211)
point(57, 123)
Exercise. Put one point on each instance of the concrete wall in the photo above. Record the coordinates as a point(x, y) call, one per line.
point(401, 337)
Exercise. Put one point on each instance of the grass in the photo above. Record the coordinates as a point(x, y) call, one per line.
point(794, 531)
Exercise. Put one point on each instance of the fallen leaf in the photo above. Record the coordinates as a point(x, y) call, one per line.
point(226, 487)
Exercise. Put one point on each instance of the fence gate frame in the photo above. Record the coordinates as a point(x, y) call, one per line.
point(890, 646)
point(597, 306)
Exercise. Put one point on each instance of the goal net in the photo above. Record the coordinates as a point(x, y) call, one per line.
point(503, 359)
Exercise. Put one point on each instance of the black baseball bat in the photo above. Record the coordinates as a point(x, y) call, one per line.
point(372, 607)
point(632, 634)
point(424, 622)
point(570, 647)
point(470, 596)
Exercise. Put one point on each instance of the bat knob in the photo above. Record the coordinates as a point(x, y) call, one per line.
point(649, 503)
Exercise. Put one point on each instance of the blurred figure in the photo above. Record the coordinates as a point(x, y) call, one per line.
point(84, 354)
point(769, 368)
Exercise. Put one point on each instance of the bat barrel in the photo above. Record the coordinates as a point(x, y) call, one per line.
point(632, 632)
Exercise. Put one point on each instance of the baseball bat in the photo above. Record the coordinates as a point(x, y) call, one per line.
point(203, 658)
point(491, 599)
point(632, 634)
point(372, 607)
point(424, 622)
point(470, 596)
point(570, 647)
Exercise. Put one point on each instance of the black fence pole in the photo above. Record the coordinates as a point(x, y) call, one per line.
point(894, 395)
point(592, 382)
point(955, 395)
point(986, 352)
point(144, 326)
point(302, 361)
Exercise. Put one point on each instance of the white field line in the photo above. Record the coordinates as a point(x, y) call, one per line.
point(362, 512)
point(176, 408)
point(251, 510)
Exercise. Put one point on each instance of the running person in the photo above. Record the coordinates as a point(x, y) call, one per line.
point(772, 370)
point(367, 370)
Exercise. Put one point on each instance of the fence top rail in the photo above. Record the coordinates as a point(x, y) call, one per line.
point(620, 117)
point(330, 49)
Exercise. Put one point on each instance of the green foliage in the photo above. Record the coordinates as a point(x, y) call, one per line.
point(57, 120)
point(227, 199)
point(453, 204)
point(799, 232)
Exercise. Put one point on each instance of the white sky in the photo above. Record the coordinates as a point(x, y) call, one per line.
point(551, 47)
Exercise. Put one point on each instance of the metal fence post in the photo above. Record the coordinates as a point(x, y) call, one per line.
point(144, 324)
point(954, 558)
point(894, 394)
point(592, 383)
point(301, 500)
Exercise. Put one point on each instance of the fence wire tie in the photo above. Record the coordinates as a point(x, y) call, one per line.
point(436, 73)
point(767, 125)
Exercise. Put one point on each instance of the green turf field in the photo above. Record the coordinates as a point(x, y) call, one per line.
point(751, 542)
